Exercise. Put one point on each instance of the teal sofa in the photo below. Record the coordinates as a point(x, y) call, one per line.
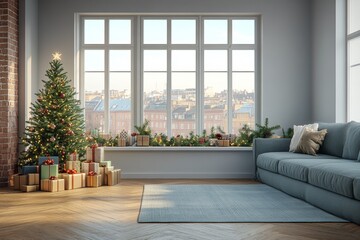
point(330, 180)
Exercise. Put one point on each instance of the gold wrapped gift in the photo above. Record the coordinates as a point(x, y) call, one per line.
point(29, 188)
point(113, 177)
point(73, 181)
point(95, 154)
point(93, 181)
point(33, 179)
point(55, 185)
point(20, 180)
point(142, 140)
point(73, 165)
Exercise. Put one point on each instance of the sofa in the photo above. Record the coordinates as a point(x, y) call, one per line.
point(330, 180)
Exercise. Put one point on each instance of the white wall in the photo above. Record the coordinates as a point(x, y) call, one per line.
point(329, 61)
point(286, 43)
point(28, 55)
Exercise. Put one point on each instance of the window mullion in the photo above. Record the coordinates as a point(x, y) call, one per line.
point(169, 87)
point(107, 81)
point(200, 78)
point(229, 99)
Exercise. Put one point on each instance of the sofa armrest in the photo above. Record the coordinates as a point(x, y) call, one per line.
point(263, 145)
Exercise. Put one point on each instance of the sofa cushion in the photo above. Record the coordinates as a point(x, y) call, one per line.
point(299, 168)
point(352, 141)
point(335, 177)
point(356, 188)
point(335, 138)
point(269, 161)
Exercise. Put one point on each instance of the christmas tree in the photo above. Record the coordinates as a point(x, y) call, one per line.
point(56, 126)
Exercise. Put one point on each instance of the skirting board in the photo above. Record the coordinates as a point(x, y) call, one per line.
point(178, 175)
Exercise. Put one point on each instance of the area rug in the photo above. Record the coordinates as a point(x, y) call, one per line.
point(225, 203)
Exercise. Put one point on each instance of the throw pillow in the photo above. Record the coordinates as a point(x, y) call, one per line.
point(298, 132)
point(311, 141)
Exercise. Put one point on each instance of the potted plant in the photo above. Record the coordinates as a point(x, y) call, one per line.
point(143, 136)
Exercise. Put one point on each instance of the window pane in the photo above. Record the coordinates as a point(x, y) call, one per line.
point(353, 16)
point(183, 31)
point(183, 60)
point(94, 31)
point(215, 60)
point(215, 32)
point(155, 60)
point(354, 51)
point(243, 31)
point(120, 31)
point(120, 60)
point(243, 100)
point(120, 102)
point(94, 103)
point(155, 31)
point(94, 60)
point(183, 103)
point(243, 60)
point(354, 86)
point(154, 99)
point(215, 100)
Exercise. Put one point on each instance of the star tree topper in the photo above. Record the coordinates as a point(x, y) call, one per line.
point(56, 56)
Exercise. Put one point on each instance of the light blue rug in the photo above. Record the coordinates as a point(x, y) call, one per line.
point(225, 203)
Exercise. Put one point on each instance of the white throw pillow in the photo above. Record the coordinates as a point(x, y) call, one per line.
point(298, 132)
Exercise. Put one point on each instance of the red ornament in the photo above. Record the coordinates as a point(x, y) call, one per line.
point(61, 95)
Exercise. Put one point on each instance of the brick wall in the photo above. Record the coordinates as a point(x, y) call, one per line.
point(9, 37)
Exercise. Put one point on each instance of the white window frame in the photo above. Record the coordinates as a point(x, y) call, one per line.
point(349, 37)
point(136, 47)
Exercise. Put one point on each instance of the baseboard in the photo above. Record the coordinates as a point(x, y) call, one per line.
point(177, 175)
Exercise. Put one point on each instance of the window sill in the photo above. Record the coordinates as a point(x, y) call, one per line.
point(179, 149)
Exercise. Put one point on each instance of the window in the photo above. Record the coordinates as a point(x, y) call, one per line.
point(353, 60)
point(106, 79)
point(182, 73)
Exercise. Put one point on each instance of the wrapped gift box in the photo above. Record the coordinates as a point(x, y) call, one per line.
point(73, 157)
point(55, 185)
point(29, 188)
point(95, 154)
point(90, 166)
point(47, 171)
point(223, 143)
point(33, 179)
point(30, 169)
point(20, 180)
point(107, 169)
point(142, 140)
point(73, 165)
point(93, 181)
point(105, 164)
point(122, 142)
point(43, 159)
point(73, 181)
point(113, 177)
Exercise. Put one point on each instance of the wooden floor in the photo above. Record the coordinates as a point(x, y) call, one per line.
point(111, 213)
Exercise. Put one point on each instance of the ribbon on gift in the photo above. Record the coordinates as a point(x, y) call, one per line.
point(71, 171)
point(93, 147)
point(92, 173)
point(52, 178)
point(73, 156)
point(49, 161)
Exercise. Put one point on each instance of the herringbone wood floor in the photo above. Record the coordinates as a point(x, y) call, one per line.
point(111, 213)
